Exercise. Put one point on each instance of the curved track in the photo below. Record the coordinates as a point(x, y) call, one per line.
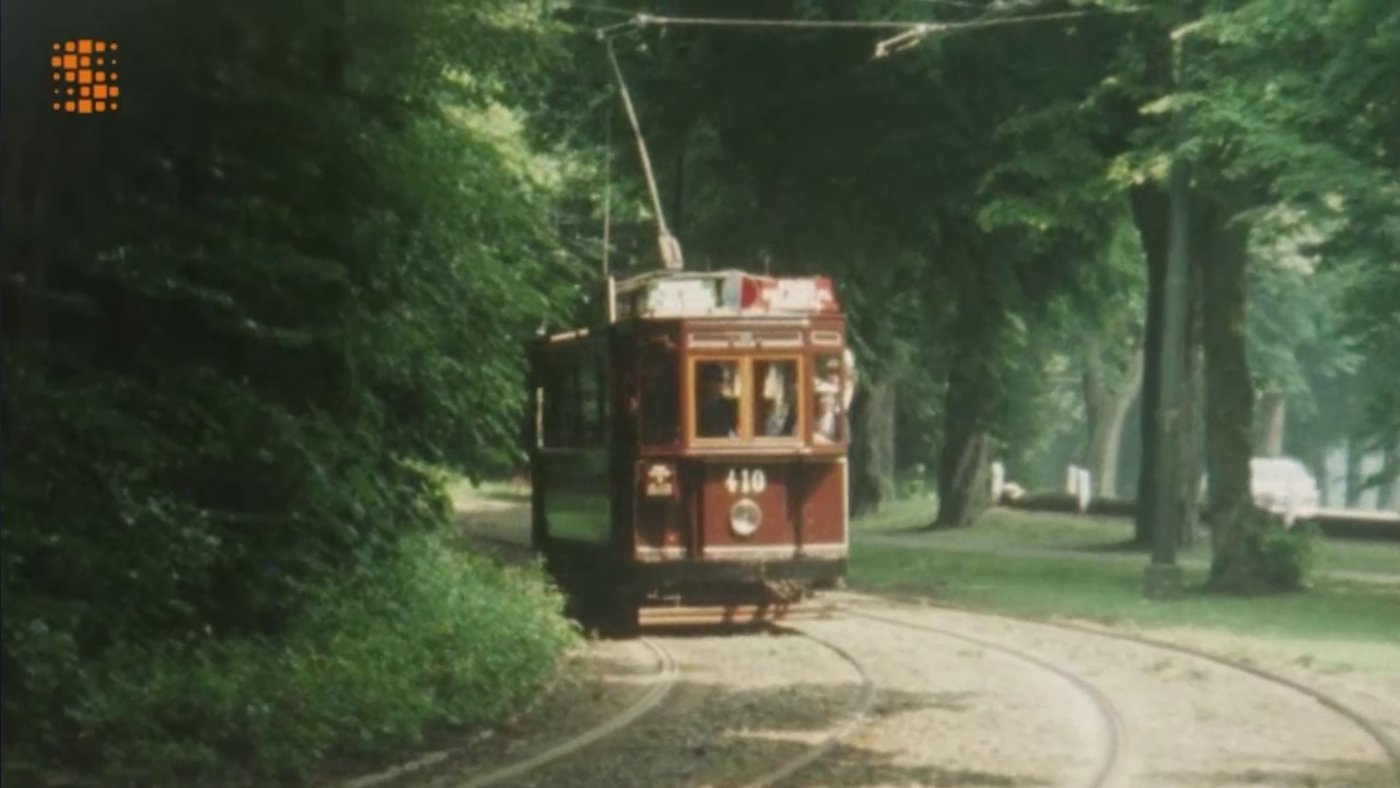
point(855, 715)
point(1374, 731)
point(1389, 745)
point(1109, 771)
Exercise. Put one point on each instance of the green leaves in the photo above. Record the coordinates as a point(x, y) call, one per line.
point(305, 257)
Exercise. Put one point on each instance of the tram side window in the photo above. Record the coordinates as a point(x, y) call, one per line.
point(590, 402)
point(775, 406)
point(718, 390)
point(561, 415)
point(829, 398)
point(660, 403)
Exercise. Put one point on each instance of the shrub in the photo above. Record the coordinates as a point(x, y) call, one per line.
point(1266, 556)
point(433, 638)
point(1290, 554)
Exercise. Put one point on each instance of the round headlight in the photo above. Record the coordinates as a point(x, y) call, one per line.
point(745, 517)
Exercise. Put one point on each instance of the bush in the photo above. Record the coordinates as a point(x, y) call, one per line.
point(1290, 554)
point(432, 639)
point(1266, 556)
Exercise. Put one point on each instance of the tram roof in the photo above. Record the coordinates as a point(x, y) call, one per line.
point(729, 293)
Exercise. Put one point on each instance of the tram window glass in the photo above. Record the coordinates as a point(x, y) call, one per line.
point(660, 403)
point(828, 398)
point(775, 400)
point(718, 390)
point(562, 405)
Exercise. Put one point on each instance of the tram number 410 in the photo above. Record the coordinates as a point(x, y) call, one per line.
point(746, 481)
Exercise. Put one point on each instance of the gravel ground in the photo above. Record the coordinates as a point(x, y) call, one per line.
point(952, 713)
point(743, 704)
point(948, 713)
point(1191, 722)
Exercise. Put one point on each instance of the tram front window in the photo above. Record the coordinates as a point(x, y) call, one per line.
point(775, 407)
point(717, 389)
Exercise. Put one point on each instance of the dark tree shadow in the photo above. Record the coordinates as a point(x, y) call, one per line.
point(1306, 773)
point(709, 735)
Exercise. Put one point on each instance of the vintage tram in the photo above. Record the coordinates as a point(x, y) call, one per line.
point(688, 456)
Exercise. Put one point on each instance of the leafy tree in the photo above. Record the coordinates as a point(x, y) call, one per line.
point(242, 311)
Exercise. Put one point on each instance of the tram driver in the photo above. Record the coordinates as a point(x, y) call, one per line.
point(716, 416)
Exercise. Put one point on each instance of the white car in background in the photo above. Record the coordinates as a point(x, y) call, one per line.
point(1284, 486)
point(1281, 485)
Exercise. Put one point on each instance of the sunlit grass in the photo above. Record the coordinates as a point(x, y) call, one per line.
point(1087, 579)
point(1105, 537)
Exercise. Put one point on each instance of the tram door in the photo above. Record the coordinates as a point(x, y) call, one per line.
point(572, 452)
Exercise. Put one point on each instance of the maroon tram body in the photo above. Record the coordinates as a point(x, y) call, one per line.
point(691, 452)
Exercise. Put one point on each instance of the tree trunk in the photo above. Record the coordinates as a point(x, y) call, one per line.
point(1107, 410)
point(1388, 494)
point(1237, 562)
point(1192, 399)
point(1274, 410)
point(884, 436)
point(964, 477)
point(1150, 214)
point(964, 483)
point(1356, 478)
point(872, 439)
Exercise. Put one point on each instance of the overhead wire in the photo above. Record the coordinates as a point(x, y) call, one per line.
point(642, 20)
point(913, 33)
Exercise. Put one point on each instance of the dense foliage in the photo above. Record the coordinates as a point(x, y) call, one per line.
point(243, 310)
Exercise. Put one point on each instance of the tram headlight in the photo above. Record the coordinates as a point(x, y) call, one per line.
point(745, 517)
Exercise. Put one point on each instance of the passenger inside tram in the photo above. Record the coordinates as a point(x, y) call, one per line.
point(776, 411)
point(715, 413)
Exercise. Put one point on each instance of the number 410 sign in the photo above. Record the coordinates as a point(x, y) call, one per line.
point(746, 481)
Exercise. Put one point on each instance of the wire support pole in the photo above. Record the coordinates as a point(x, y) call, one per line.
point(670, 248)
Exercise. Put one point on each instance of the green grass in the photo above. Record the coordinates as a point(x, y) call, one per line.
point(1004, 529)
point(1105, 585)
point(900, 515)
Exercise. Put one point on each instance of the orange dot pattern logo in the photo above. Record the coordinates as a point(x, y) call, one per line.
point(85, 76)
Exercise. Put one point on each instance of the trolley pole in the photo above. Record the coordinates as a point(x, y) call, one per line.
point(1163, 577)
point(667, 244)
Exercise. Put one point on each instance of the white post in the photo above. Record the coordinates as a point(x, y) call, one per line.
point(1085, 489)
point(998, 481)
point(1071, 479)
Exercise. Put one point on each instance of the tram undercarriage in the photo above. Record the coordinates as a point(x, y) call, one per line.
point(620, 597)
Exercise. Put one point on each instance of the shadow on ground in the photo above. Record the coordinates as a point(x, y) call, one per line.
point(1308, 773)
point(708, 735)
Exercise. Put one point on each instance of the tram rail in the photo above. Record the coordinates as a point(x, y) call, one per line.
point(1373, 730)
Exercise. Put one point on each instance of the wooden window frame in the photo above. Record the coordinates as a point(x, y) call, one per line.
point(747, 399)
point(799, 424)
